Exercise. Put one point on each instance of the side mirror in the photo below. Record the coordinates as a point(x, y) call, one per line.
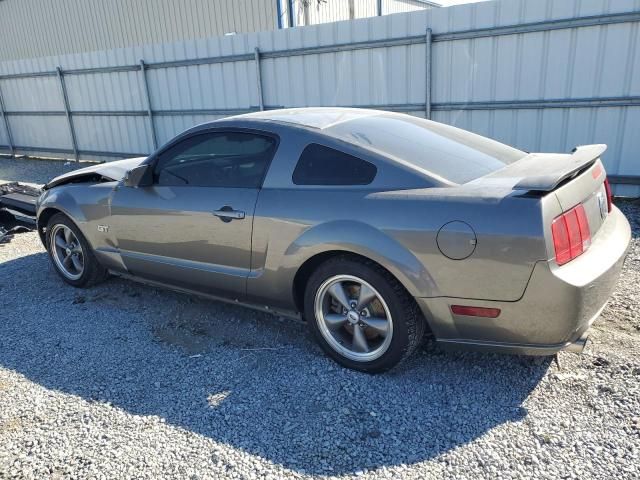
point(133, 177)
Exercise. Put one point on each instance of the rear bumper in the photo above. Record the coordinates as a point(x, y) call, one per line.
point(557, 308)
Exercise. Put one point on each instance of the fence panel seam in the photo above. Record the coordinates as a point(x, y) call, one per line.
point(147, 97)
point(428, 73)
point(259, 78)
point(65, 100)
point(5, 120)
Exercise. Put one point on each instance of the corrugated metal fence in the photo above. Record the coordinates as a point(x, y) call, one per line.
point(541, 75)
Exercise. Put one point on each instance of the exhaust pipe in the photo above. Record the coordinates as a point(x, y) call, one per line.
point(578, 345)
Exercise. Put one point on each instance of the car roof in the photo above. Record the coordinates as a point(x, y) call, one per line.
point(313, 117)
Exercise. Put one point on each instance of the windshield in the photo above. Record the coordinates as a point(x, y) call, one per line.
point(447, 152)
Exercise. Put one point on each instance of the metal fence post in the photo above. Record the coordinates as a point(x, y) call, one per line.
point(291, 13)
point(428, 60)
point(256, 53)
point(379, 8)
point(145, 85)
point(67, 110)
point(6, 125)
point(279, 13)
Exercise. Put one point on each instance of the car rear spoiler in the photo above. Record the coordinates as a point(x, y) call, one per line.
point(544, 172)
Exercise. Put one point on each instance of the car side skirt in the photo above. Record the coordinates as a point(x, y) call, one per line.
point(262, 308)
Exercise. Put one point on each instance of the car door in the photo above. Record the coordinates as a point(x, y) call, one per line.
point(192, 227)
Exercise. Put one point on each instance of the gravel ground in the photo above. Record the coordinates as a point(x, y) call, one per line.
point(34, 171)
point(124, 381)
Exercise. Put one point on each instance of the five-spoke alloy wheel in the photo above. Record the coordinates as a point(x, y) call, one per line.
point(361, 316)
point(71, 254)
point(66, 252)
point(353, 317)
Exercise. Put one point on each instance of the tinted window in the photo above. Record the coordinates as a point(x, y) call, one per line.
point(319, 165)
point(448, 152)
point(222, 159)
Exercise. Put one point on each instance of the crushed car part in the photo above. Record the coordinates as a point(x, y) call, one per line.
point(17, 209)
point(20, 198)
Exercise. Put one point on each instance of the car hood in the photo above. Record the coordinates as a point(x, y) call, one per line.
point(112, 171)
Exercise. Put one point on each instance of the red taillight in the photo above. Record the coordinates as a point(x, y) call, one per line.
point(571, 234)
point(607, 188)
point(583, 225)
point(475, 311)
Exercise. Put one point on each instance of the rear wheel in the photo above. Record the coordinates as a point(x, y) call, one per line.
point(71, 254)
point(361, 316)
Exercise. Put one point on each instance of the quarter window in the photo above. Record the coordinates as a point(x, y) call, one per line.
point(220, 159)
point(320, 165)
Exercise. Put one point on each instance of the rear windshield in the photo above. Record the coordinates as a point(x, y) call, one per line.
point(448, 152)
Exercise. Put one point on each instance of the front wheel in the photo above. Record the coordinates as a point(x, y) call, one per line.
point(71, 254)
point(361, 316)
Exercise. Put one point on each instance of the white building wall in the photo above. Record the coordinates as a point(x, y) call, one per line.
point(38, 28)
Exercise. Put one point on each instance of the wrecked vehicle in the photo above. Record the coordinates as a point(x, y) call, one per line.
point(373, 226)
point(17, 209)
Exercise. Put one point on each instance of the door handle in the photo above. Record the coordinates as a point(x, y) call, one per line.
point(226, 214)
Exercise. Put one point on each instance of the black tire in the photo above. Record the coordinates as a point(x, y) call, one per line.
point(408, 322)
point(92, 272)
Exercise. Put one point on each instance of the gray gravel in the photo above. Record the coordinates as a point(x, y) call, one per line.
point(35, 171)
point(124, 381)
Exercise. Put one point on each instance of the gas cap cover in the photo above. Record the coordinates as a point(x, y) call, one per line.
point(456, 240)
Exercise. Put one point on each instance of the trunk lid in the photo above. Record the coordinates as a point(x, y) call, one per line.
point(575, 179)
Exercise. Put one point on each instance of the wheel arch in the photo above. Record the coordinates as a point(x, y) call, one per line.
point(43, 219)
point(311, 265)
point(59, 200)
point(46, 214)
point(362, 240)
point(304, 272)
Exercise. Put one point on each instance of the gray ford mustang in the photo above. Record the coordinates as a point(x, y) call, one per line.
point(373, 226)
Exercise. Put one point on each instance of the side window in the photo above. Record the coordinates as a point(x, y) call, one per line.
point(320, 165)
point(219, 159)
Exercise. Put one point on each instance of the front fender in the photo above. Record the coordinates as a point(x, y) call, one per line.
point(87, 205)
point(61, 200)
